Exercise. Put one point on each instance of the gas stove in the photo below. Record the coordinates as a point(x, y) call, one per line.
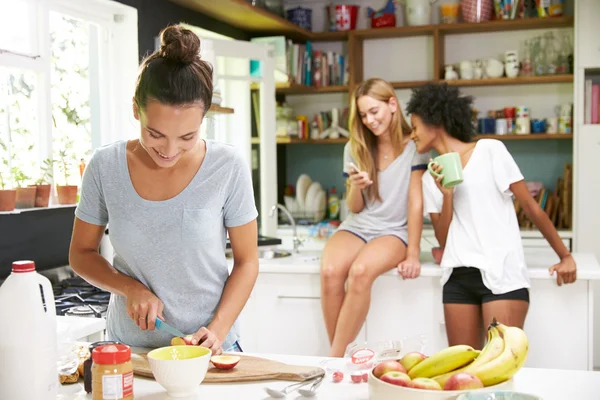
point(75, 297)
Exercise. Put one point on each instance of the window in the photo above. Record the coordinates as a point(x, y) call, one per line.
point(61, 92)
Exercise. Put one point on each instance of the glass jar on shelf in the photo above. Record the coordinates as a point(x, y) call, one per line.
point(550, 50)
point(526, 62)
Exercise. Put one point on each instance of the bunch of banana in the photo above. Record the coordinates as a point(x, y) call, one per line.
point(493, 348)
point(444, 361)
point(503, 355)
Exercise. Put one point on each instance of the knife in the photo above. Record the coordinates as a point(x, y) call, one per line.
point(163, 326)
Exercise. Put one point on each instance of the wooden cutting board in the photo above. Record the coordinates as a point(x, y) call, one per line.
point(248, 369)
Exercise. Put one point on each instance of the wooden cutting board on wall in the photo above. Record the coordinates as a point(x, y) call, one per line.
point(247, 370)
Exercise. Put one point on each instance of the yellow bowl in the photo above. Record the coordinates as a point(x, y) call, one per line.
point(179, 369)
point(380, 390)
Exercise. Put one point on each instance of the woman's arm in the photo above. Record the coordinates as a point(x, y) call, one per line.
point(566, 269)
point(441, 222)
point(354, 199)
point(411, 267)
point(142, 305)
point(415, 214)
point(241, 281)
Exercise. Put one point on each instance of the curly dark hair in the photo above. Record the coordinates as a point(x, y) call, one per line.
point(441, 105)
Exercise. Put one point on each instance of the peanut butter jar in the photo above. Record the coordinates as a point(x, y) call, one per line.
point(112, 373)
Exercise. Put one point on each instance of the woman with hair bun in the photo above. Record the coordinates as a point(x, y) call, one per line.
point(171, 198)
point(484, 272)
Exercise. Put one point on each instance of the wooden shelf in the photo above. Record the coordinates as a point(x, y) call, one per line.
point(506, 25)
point(530, 136)
point(520, 80)
point(215, 109)
point(408, 84)
point(291, 140)
point(298, 89)
point(395, 32)
point(286, 88)
point(242, 15)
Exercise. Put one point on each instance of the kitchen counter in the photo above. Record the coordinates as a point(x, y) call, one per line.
point(538, 262)
point(547, 383)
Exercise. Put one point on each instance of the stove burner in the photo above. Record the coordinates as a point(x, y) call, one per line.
point(86, 311)
point(75, 297)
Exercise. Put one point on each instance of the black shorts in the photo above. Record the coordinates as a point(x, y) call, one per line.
point(465, 286)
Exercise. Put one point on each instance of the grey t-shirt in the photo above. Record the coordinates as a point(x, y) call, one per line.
point(175, 247)
point(389, 216)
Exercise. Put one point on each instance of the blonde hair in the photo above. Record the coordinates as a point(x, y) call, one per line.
point(363, 143)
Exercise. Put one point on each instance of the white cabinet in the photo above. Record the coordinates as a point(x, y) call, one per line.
point(284, 316)
point(558, 325)
point(587, 188)
point(587, 33)
point(407, 309)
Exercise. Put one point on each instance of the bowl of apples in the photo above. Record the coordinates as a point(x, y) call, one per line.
point(453, 371)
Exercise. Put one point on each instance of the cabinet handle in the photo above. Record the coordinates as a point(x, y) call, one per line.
point(283, 297)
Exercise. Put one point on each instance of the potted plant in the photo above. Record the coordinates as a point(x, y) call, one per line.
point(25, 196)
point(43, 184)
point(67, 194)
point(8, 196)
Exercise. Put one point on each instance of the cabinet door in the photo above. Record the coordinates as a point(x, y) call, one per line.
point(286, 315)
point(587, 190)
point(407, 309)
point(587, 33)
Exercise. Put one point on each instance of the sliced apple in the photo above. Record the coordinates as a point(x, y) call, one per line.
point(225, 362)
point(182, 341)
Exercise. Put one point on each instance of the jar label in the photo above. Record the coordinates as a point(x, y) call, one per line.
point(115, 387)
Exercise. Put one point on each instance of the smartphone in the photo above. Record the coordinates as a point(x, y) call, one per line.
point(350, 165)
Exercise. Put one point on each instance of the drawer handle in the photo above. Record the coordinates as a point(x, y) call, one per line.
point(283, 297)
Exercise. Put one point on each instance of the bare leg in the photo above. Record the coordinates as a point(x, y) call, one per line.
point(340, 252)
point(376, 257)
point(508, 312)
point(463, 325)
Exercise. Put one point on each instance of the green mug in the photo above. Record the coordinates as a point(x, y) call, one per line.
point(452, 171)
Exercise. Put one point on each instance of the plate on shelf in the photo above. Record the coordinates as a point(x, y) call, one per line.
point(302, 186)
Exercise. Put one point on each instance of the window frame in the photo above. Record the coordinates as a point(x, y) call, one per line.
point(112, 82)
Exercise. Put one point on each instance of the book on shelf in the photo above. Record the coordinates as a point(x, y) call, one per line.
point(301, 64)
point(592, 100)
point(557, 203)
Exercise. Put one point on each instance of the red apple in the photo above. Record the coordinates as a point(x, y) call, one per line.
point(463, 381)
point(365, 377)
point(396, 378)
point(225, 362)
point(182, 341)
point(338, 376)
point(409, 360)
point(425, 383)
point(387, 366)
point(356, 377)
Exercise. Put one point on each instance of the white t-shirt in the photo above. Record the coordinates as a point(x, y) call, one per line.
point(484, 232)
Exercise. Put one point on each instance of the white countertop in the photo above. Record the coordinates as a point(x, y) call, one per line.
point(74, 328)
point(538, 262)
point(550, 384)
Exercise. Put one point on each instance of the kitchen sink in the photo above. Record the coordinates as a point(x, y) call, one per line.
point(271, 254)
point(267, 254)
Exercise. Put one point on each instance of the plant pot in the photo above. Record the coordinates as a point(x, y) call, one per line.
point(67, 194)
point(25, 197)
point(42, 196)
point(7, 200)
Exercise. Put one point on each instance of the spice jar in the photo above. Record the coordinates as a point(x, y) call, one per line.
point(87, 365)
point(112, 373)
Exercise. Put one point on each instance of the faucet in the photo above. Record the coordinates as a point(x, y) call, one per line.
point(297, 242)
